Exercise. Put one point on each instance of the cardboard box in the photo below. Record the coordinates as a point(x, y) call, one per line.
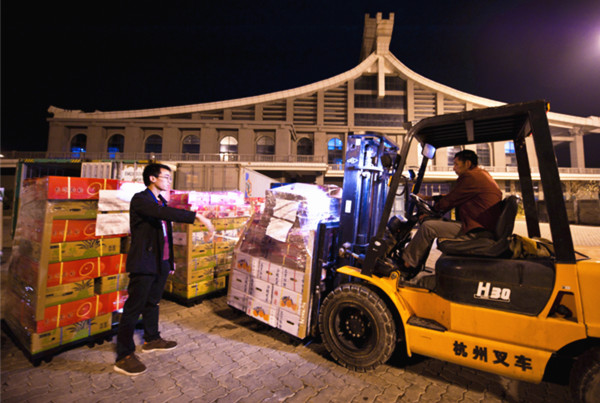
point(262, 311)
point(82, 269)
point(288, 322)
point(67, 314)
point(239, 280)
point(66, 187)
point(86, 328)
point(68, 292)
point(38, 342)
point(110, 302)
point(237, 299)
point(269, 272)
point(73, 230)
point(186, 275)
point(66, 251)
point(292, 279)
point(261, 290)
point(285, 299)
point(242, 261)
point(106, 284)
point(198, 289)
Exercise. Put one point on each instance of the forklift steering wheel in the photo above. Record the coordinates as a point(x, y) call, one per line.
point(422, 205)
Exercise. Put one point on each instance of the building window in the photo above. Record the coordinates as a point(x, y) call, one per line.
point(509, 152)
point(153, 144)
point(483, 155)
point(78, 144)
point(265, 146)
point(115, 145)
point(191, 145)
point(228, 148)
point(335, 151)
point(305, 147)
point(451, 153)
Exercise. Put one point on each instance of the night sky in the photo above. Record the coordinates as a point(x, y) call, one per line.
point(120, 55)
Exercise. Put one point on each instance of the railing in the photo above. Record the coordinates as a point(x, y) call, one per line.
point(226, 157)
point(221, 157)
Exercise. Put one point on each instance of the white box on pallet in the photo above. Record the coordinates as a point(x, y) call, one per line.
point(288, 322)
point(239, 280)
point(261, 290)
point(262, 311)
point(292, 279)
point(237, 299)
point(286, 299)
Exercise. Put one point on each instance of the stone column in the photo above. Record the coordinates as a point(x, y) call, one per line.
point(58, 138)
point(209, 140)
point(96, 139)
point(134, 140)
point(283, 142)
point(576, 148)
point(171, 140)
point(246, 142)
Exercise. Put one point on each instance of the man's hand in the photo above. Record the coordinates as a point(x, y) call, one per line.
point(200, 217)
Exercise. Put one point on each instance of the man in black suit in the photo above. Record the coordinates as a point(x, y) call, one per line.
point(149, 262)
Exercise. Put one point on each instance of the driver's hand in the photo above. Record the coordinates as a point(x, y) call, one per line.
point(425, 197)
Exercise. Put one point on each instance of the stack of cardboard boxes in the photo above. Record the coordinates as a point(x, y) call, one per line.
point(64, 281)
point(272, 263)
point(202, 262)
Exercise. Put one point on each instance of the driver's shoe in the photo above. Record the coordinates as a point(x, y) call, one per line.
point(407, 273)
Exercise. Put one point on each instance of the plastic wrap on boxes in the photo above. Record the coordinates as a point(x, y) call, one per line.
point(56, 257)
point(203, 263)
point(271, 265)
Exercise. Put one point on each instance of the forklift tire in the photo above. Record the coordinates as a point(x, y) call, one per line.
point(585, 377)
point(357, 327)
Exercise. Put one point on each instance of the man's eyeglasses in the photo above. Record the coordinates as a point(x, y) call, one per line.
point(167, 178)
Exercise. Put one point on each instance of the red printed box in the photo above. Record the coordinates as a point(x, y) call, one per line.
point(73, 230)
point(110, 302)
point(67, 314)
point(77, 270)
point(66, 187)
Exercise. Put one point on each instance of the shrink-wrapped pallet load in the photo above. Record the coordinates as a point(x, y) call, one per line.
point(59, 290)
point(272, 263)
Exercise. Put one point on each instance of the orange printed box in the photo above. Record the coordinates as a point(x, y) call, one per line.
point(77, 270)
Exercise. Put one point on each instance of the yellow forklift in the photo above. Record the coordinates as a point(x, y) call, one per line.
point(523, 318)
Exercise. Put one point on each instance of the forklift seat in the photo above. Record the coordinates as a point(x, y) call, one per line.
point(485, 243)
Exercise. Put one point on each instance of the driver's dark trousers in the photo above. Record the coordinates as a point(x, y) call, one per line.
point(428, 231)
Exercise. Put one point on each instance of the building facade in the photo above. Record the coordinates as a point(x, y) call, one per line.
point(300, 134)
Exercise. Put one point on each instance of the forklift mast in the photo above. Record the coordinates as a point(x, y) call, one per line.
point(370, 162)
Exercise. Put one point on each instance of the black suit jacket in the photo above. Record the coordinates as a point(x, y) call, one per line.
point(147, 236)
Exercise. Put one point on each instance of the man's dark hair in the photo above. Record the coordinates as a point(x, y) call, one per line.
point(467, 155)
point(153, 170)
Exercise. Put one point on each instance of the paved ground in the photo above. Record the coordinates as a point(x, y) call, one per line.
point(226, 356)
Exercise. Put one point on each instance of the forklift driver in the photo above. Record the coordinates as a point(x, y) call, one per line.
point(476, 197)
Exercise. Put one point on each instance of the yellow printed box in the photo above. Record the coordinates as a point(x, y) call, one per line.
point(86, 328)
point(199, 288)
point(186, 276)
point(69, 292)
point(67, 251)
point(106, 284)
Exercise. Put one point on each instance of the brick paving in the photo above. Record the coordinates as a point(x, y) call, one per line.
point(225, 356)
